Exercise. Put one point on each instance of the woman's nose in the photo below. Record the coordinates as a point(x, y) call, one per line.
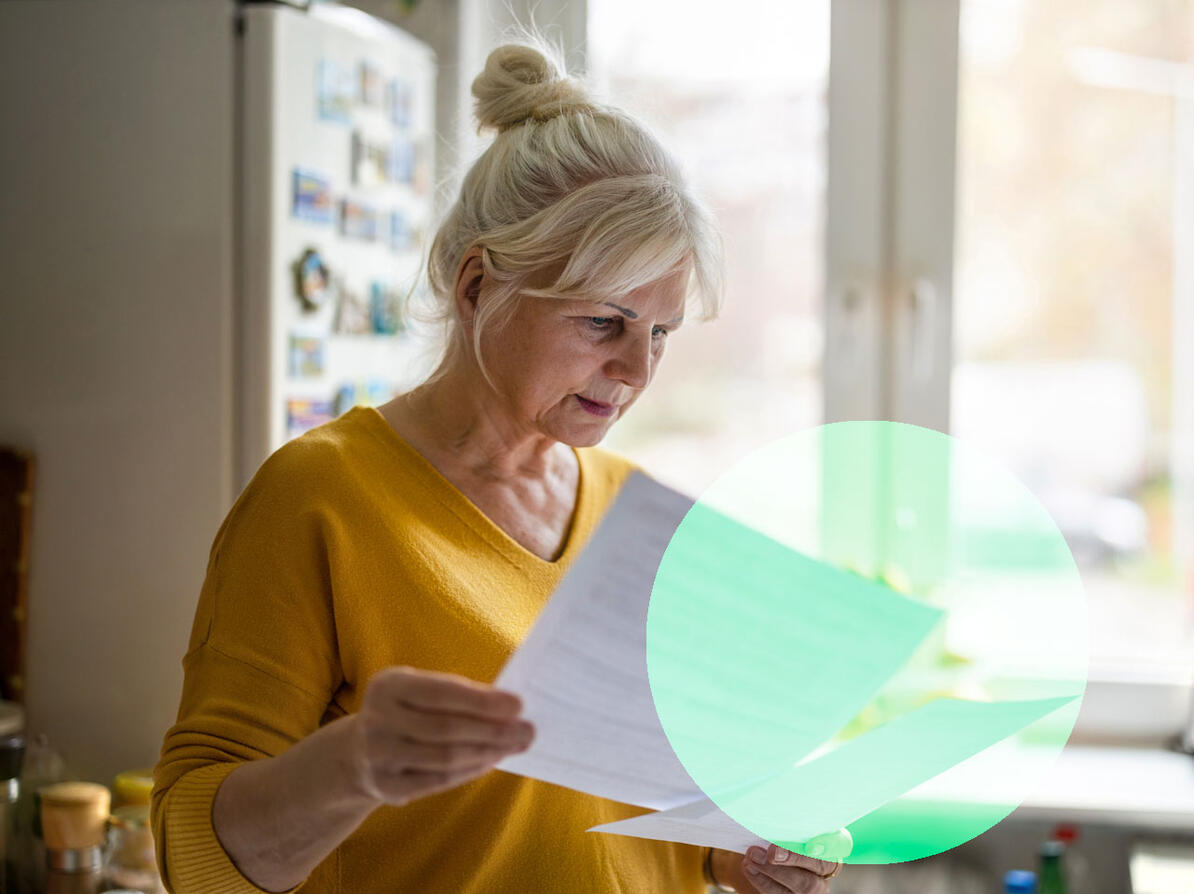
point(632, 364)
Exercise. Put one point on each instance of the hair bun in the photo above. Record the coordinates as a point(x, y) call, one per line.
point(522, 82)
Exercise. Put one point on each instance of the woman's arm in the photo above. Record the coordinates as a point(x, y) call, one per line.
point(418, 732)
point(279, 817)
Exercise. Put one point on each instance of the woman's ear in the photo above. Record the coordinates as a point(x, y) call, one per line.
point(470, 276)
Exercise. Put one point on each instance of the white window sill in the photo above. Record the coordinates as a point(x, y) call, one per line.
point(1122, 786)
point(1118, 768)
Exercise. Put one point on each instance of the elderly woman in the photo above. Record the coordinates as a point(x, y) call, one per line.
point(335, 726)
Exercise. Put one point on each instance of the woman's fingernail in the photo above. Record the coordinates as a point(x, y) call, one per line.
point(780, 856)
point(757, 854)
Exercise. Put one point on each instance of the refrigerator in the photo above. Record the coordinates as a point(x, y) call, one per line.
point(337, 126)
point(209, 211)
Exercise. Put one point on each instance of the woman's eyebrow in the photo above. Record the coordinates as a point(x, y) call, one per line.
point(633, 315)
point(624, 310)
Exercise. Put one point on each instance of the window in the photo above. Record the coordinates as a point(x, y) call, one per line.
point(743, 107)
point(976, 216)
point(1070, 288)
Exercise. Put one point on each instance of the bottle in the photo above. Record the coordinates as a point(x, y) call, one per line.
point(1019, 881)
point(12, 753)
point(1077, 867)
point(42, 766)
point(1052, 874)
point(131, 862)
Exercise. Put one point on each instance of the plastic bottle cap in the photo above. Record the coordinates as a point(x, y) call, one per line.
point(1052, 848)
point(1065, 833)
point(132, 786)
point(1019, 881)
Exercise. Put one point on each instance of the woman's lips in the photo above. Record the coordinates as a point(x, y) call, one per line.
point(596, 407)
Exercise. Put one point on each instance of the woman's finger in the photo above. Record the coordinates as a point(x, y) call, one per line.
point(780, 857)
point(453, 756)
point(409, 783)
point(433, 728)
point(785, 873)
point(446, 693)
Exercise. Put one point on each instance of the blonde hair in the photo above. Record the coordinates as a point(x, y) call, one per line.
point(567, 184)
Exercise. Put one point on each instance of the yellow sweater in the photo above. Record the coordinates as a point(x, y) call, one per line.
point(346, 553)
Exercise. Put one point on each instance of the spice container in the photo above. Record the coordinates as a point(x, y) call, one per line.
point(74, 820)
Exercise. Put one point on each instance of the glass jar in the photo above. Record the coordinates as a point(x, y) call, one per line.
point(131, 862)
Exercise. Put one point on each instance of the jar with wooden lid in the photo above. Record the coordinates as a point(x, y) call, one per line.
point(74, 824)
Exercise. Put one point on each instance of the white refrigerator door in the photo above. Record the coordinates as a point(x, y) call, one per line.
point(336, 124)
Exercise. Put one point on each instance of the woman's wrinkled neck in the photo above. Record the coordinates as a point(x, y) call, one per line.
point(456, 418)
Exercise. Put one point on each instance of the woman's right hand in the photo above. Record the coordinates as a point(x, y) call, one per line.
point(420, 732)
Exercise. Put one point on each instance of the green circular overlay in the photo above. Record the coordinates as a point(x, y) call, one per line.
point(869, 626)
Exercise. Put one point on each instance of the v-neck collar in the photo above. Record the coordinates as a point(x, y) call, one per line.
point(469, 513)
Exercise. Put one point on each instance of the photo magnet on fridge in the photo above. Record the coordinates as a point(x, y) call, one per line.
point(311, 196)
point(358, 220)
point(335, 91)
point(371, 87)
point(306, 356)
point(401, 233)
point(352, 315)
point(385, 305)
point(370, 161)
point(402, 160)
point(304, 413)
point(398, 102)
point(311, 280)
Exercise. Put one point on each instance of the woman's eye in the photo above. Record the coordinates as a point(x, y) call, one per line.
point(601, 322)
point(658, 332)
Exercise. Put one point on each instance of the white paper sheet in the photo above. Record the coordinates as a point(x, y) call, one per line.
point(582, 671)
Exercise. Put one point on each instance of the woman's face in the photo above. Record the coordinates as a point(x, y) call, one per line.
point(570, 369)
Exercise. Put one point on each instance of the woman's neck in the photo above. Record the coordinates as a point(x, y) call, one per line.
point(459, 420)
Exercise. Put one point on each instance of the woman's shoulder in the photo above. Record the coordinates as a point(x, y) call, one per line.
point(321, 461)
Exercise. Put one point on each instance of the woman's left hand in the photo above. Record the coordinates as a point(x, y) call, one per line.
point(777, 871)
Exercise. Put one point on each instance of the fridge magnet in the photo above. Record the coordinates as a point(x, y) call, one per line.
point(304, 413)
point(306, 356)
point(311, 280)
point(371, 89)
point(357, 220)
point(402, 160)
point(385, 305)
point(352, 315)
point(311, 197)
point(398, 102)
point(349, 395)
point(334, 89)
point(378, 391)
point(370, 161)
point(401, 234)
